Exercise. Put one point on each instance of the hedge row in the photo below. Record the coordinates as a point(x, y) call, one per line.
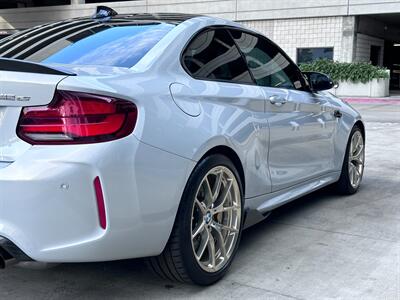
point(354, 72)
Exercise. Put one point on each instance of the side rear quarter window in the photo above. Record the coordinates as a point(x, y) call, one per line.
point(213, 55)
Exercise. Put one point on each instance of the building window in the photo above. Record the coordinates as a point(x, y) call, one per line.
point(306, 55)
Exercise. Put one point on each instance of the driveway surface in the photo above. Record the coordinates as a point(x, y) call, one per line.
point(322, 246)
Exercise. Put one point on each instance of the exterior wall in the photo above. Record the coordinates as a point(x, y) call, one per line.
point(309, 33)
point(291, 24)
point(291, 34)
point(367, 7)
point(266, 27)
point(363, 47)
point(241, 10)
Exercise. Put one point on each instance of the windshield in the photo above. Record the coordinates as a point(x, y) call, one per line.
point(119, 45)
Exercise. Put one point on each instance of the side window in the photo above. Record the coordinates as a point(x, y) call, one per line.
point(266, 62)
point(214, 55)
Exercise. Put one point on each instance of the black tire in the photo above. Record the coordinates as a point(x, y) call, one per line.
point(177, 262)
point(344, 186)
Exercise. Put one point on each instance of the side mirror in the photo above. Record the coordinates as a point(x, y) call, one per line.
point(319, 81)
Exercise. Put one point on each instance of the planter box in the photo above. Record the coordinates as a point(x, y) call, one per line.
point(376, 88)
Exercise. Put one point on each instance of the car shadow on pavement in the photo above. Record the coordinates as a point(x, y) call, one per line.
point(287, 212)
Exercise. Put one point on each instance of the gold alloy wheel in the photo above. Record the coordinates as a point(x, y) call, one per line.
point(356, 159)
point(216, 219)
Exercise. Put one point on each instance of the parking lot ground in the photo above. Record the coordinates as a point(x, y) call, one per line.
point(321, 246)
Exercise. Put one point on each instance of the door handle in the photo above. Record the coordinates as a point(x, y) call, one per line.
point(277, 100)
point(337, 114)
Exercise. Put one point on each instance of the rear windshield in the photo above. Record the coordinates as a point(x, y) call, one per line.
point(119, 45)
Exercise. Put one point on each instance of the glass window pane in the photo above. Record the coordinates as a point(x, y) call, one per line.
point(307, 55)
point(117, 46)
point(105, 44)
point(267, 64)
point(213, 55)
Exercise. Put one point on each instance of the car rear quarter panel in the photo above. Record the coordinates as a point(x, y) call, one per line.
point(228, 118)
point(230, 114)
point(345, 124)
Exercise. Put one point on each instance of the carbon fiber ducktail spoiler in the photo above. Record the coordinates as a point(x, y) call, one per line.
point(15, 65)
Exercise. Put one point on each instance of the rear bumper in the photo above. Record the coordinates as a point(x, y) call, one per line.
point(48, 205)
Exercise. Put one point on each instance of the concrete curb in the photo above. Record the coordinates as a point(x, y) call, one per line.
point(390, 101)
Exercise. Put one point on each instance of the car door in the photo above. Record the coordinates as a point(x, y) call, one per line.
point(301, 123)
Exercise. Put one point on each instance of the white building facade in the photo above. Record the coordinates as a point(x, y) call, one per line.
point(342, 30)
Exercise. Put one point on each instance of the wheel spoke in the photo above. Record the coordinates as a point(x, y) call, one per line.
point(358, 174)
point(356, 177)
point(220, 240)
point(358, 161)
point(351, 170)
point(217, 186)
point(220, 209)
point(227, 228)
point(352, 145)
point(358, 151)
point(223, 197)
point(353, 174)
point(203, 246)
point(359, 140)
point(200, 205)
point(199, 229)
point(209, 194)
point(211, 251)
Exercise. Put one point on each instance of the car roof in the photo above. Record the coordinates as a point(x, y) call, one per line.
point(36, 37)
point(161, 17)
point(53, 28)
point(137, 18)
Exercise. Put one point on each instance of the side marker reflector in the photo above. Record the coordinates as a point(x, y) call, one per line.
point(100, 203)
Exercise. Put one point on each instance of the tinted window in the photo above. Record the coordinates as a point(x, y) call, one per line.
point(306, 55)
point(213, 55)
point(268, 65)
point(92, 44)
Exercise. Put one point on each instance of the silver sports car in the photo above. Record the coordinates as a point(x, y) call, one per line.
point(159, 136)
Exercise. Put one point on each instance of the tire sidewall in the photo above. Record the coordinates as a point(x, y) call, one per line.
point(195, 272)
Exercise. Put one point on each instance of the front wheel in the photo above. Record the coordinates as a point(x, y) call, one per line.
point(208, 225)
point(353, 165)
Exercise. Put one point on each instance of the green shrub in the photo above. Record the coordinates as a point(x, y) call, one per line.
point(354, 72)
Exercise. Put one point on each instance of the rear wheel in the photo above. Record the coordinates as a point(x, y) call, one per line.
point(208, 225)
point(353, 165)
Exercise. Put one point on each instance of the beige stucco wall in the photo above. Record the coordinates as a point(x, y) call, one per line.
point(291, 34)
point(243, 10)
point(290, 23)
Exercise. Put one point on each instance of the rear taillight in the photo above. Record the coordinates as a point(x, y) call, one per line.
point(77, 118)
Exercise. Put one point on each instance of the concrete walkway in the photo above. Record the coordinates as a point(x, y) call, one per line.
point(320, 247)
point(386, 101)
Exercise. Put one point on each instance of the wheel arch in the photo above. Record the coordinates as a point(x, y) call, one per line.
point(346, 139)
point(361, 125)
point(232, 155)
